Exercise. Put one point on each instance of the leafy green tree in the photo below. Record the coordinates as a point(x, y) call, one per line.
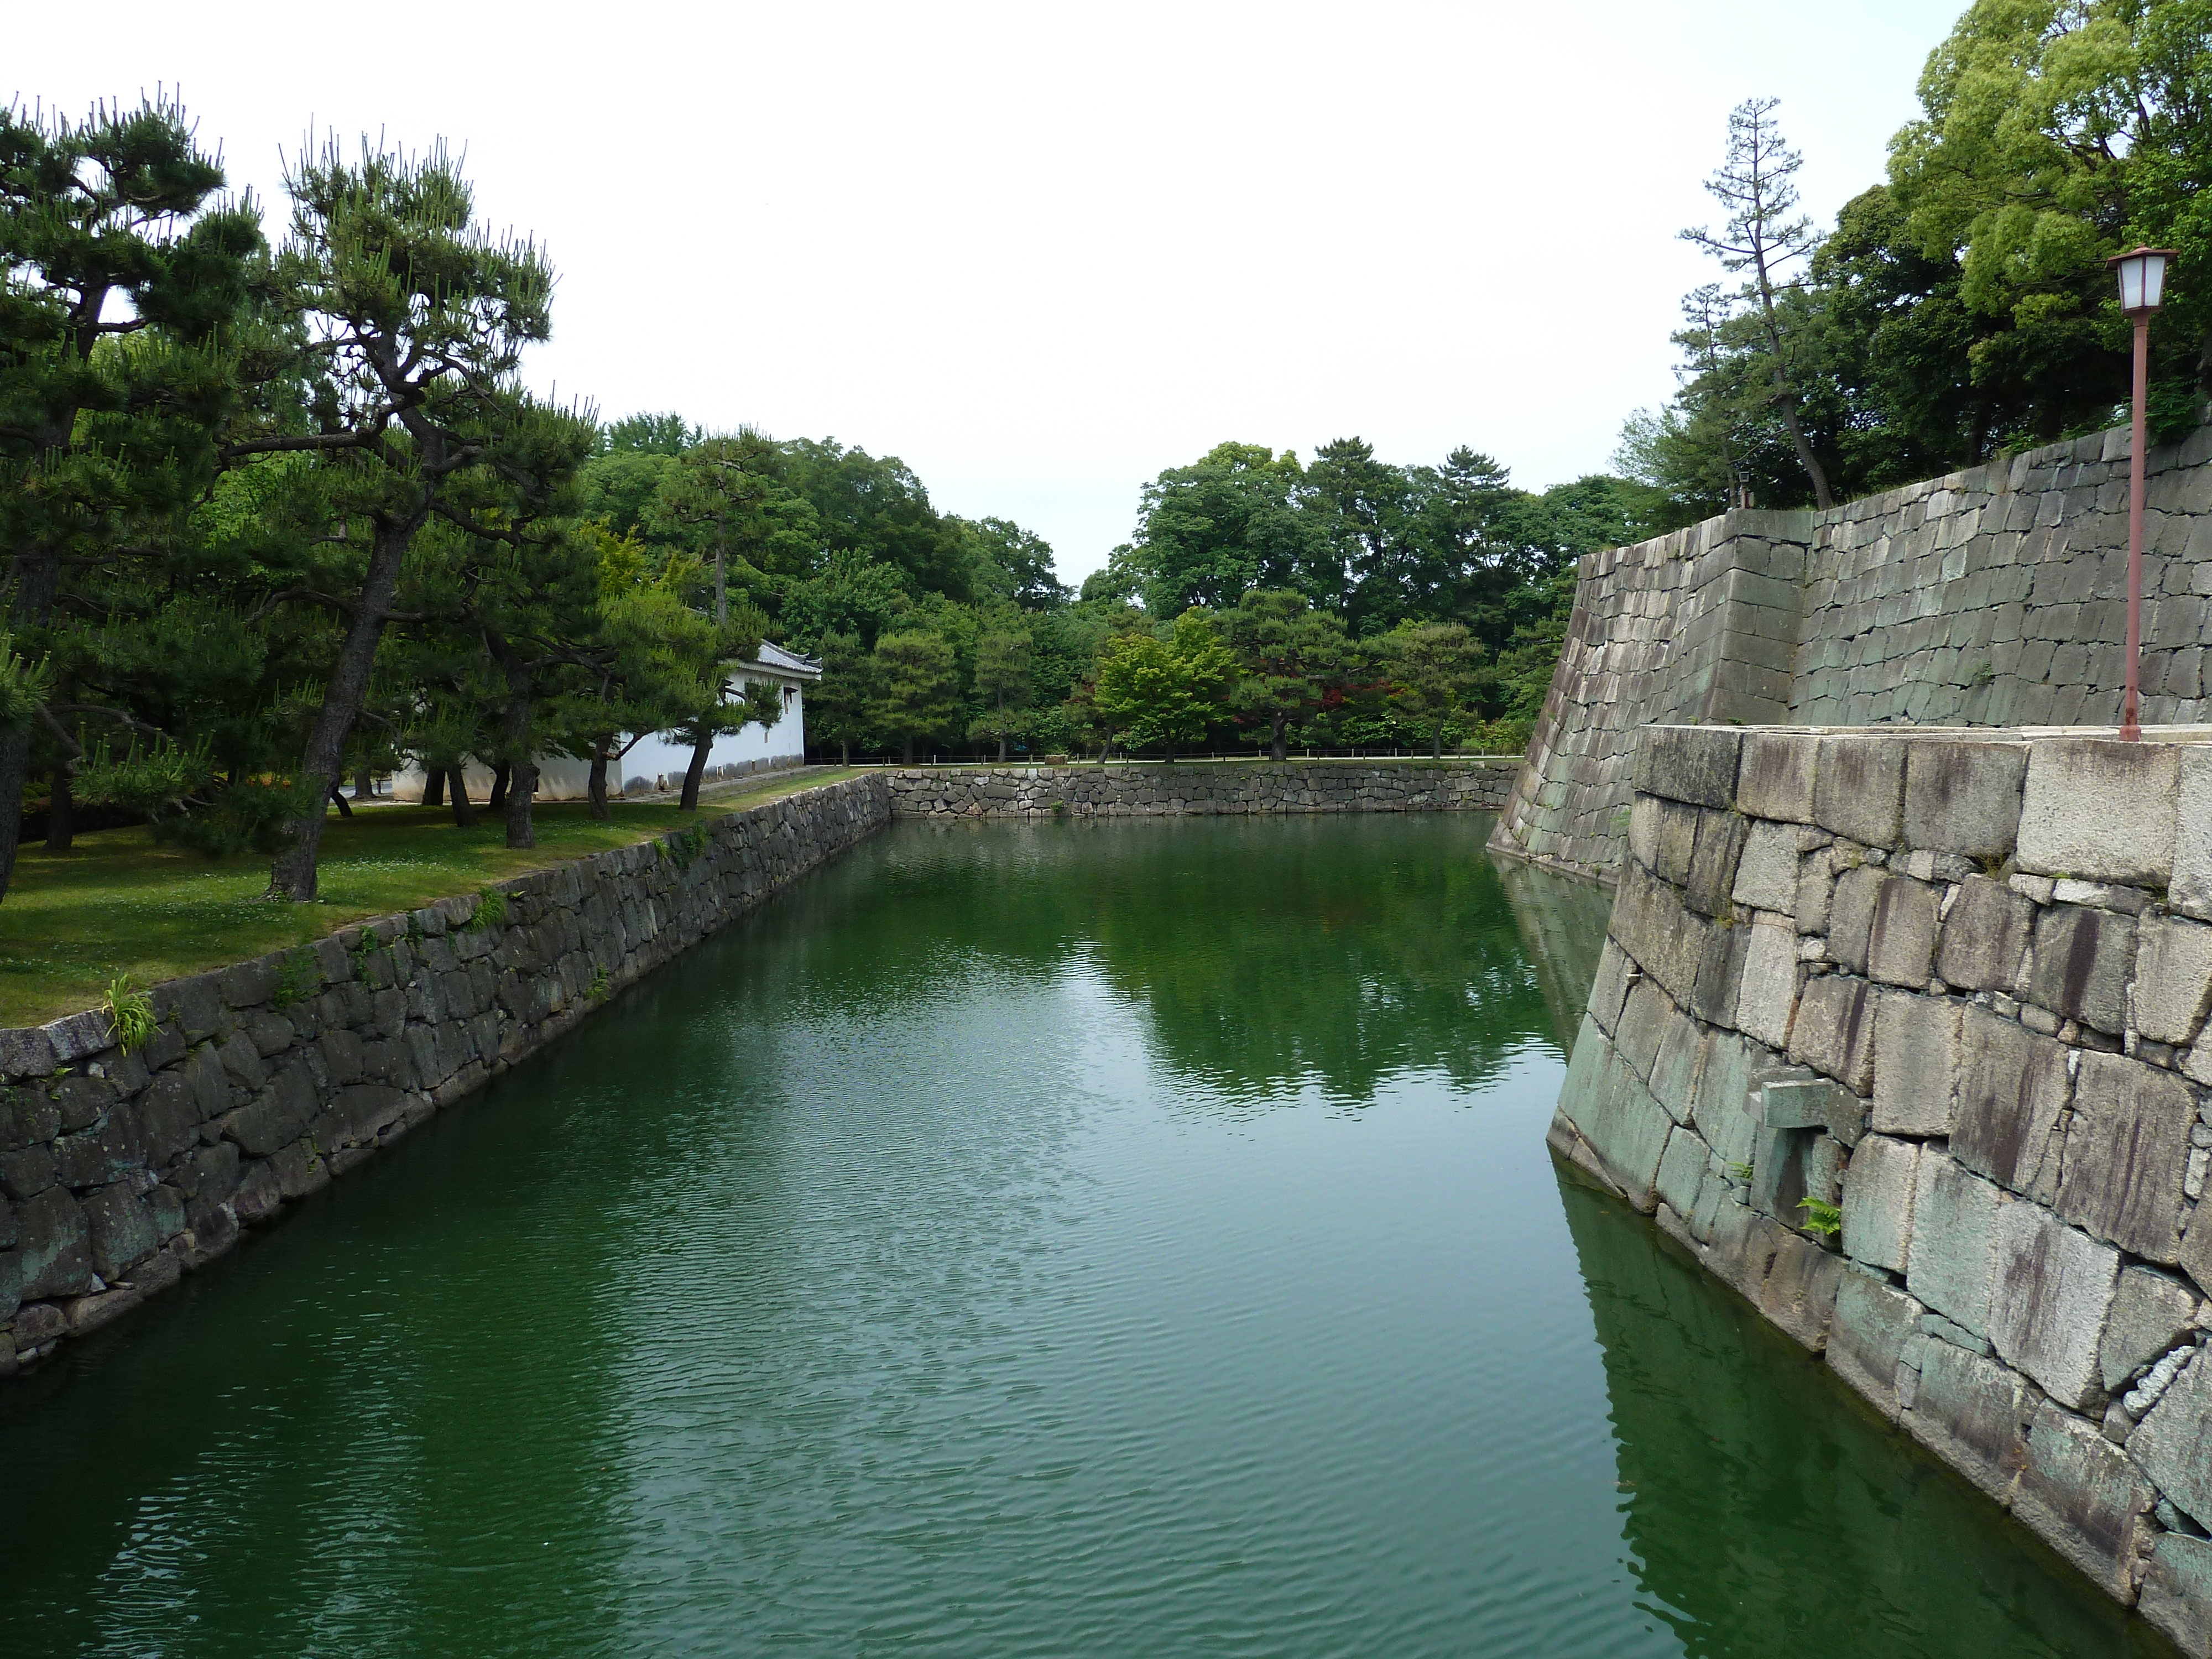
point(917, 688)
point(1368, 510)
point(2056, 132)
point(1167, 691)
point(629, 466)
point(1291, 659)
point(1435, 669)
point(1235, 520)
point(1013, 564)
point(1002, 681)
point(122, 277)
point(665, 433)
point(876, 507)
point(848, 592)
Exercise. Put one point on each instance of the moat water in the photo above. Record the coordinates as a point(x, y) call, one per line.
point(1082, 1239)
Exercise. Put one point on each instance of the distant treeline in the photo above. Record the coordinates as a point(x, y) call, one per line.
point(1262, 602)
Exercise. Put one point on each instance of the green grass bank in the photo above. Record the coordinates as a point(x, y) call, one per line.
point(118, 902)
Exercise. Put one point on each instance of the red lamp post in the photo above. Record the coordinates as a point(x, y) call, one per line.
point(2142, 289)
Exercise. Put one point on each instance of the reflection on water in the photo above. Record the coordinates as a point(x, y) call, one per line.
point(1271, 957)
point(1563, 922)
point(1767, 1509)
point(1053, 1239)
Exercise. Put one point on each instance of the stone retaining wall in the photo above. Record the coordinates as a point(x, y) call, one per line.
point(1201, 787)
point(1993, 597)
point(121, 1172)
point(1952, 989)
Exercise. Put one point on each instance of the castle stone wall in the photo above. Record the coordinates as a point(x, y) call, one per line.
point(1993, 596)
point(1902, 1035)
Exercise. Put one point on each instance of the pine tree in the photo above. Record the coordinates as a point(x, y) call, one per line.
point(415, 320)
point(122, 272)
point(917, 693)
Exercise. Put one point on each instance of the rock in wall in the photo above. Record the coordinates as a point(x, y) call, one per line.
point(121, 1171)
point(1903, 1035)
point(1993, 596)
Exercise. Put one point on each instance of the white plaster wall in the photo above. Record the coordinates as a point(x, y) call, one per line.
point(655, 756)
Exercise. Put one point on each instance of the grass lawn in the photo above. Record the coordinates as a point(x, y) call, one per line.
point(117, 902)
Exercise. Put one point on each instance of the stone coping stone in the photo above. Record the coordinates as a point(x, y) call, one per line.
point(2061, 800)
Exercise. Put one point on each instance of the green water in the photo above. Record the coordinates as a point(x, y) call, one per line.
point(1078, 1239)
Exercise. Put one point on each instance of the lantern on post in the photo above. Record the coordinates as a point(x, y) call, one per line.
point(2142, 272)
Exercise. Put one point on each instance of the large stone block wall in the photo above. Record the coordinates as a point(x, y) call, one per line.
point(120, 1172)
point(1952, 989)
point(1201, 787)
point(1993, 597)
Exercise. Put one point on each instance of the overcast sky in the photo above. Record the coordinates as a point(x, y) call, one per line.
point(1042, 252)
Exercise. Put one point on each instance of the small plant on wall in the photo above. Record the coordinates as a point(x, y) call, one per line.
point(1826, 1219)
point(132, 1012)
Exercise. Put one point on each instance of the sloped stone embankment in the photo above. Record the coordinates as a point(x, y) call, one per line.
point(1951, 989)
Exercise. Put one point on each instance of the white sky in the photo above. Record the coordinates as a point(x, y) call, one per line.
point(1043, 252)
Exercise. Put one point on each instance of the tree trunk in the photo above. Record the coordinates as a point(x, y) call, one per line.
point(596, 790)
point(700, 745)
point(457, 786)
point(1279, 745)
point(909, 749)
point(844, 751)
point(434, 786)
point(15, 764)
point(364, 785)
point(1785, 396)
point(58, 827)
point(292, 876)
point(37, 573)
point(1437, 749)
point(521, 797)
point(1786, 401)
point(514, 782)
point(338, 796)
point(1002, 749)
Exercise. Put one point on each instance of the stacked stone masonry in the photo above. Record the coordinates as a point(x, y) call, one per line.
point(1993, 596)
point(1201, 789)
point(120, 1172)
point(1903, 1035)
